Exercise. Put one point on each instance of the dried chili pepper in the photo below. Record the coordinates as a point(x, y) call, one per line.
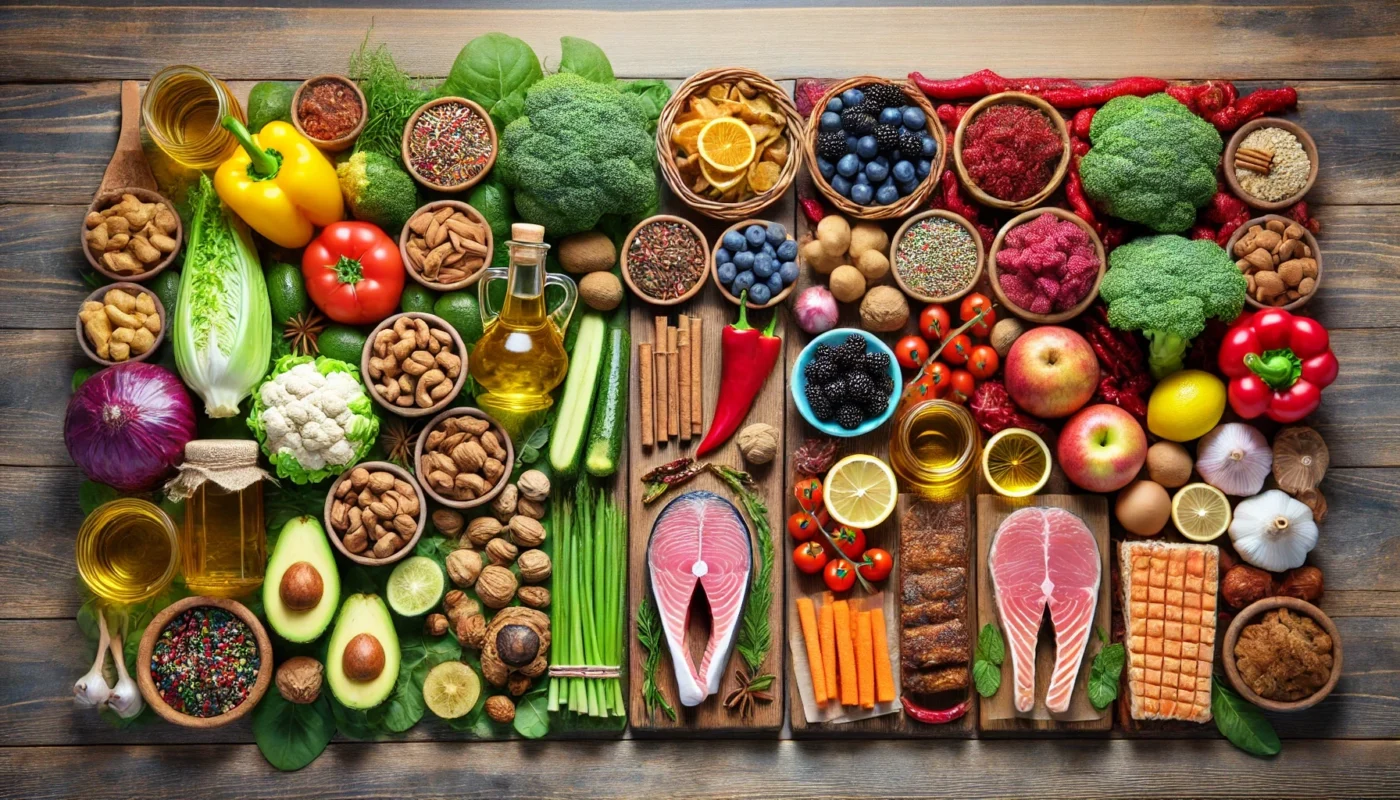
point(969, 87)
point(669, 475)
point(1079, 97)
point(1255, 104)
point(1298, 212)
point(812, 209)
point(934, 716)
point(1204, 99)
point(1123, 377)
point(1079, 126)
point(952, 198)
point(992, 408)
point(951, 115)
point(1074, 194)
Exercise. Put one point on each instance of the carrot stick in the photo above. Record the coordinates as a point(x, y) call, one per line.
point(884, 673)
point(865, 660)
point(648, 403)
point(828, 641)
point(846, 654)
point(807, 614)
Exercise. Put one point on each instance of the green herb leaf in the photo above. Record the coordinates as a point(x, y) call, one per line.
point(532, 713)
point(420, 654)
point(81, 375)
point(649, 635)
point(92, 494)
point(292, 735)
point(585, 58)
point(530, 452)
point(354, 723)
point(1104, 674)
point(990, 645)
point(1242, 723)
point(653, 94)
point(987, 676)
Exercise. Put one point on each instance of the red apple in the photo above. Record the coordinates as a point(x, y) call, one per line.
point(1051, 372)
point(1102, 448)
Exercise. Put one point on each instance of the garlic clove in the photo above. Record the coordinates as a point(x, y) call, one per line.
point(126, 696)
point(92, 690)
point(1234, 458)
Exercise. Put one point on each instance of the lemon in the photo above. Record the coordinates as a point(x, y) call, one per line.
point(860, 491)
point(727, 144)
point(451, 689)
point(415, 586)
point(1200, 512)
point(1185, 405)
point(1016, 462)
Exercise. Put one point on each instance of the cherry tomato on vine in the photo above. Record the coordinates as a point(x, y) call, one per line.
point(970, 306)
point(876, 564)
point(983, 362)
point(957, 350)
point(922, 388)
point(963, 385)
point(911, 352)
point(939, 375)
point(840, 576)
point(850, 540)
point(802, 526)
point(809, 557)
point(934, 323)
point(808, 492)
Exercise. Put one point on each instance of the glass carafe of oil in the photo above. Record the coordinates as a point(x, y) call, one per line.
point(520, 357)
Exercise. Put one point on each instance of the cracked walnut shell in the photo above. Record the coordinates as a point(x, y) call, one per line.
point(533, 485)
point(535, 566)
point(463, 567)
point(527, 531)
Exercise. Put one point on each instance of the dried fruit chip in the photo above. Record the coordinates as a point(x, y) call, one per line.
point(777, 152)
point(721, 179)
point(718, 92)
point(763, 175)
point(686, 136)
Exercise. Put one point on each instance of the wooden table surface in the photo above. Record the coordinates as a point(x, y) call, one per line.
point(58, 121)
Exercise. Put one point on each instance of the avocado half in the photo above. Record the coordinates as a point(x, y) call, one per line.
point(367, 614)
point(301, 539)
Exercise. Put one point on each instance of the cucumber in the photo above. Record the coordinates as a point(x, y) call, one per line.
point(571, 424)
point(610, 410)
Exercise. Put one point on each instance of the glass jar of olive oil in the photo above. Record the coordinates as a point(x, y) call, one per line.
point(934, 447)
point(223, 542)
point(184, 108)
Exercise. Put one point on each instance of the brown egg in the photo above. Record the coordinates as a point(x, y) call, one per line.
point(1143, 508)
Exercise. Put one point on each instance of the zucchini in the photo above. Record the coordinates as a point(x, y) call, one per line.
point(610, 410)
point(571, 424)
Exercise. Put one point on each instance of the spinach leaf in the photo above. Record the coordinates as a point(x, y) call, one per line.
point(586, 59)
point(493, 200)
point(530, 452)
point(81, 375)
point(492, 68)
point(1242, 723)
point(653, 94)
point(990, 645)
point(354, 723)
point(987, 676)
point(92, 494)
point(532, 713)
point(1104, 674)
point(292, 735)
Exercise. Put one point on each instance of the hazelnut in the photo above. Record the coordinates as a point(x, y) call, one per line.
point(535, 566)
point(533, 596)
point(1244, 585)
point(496, 585)
point(435, 625)
point(501, 552)
point(448, 522)
point(517, 645)
point(533, 485)
point(363, 658)
point(299, 679)
point(527, 531)
point(301, 587)
point(463, 567)
point(482, 530)
point(1304, 583)
point(500, 709)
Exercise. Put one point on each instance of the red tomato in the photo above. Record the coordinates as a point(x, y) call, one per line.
point(876, 564)
point(957, 350)
point(922, 388)
point(808, 492)
point(983, 362)
point(939, 376)
point(963, 385)
point(809, 557)
point(840, 575)
point(911, 352)
point(934, 323)
point(850, 540)
point(970, 306)
point(801, 525)
point(353, 273)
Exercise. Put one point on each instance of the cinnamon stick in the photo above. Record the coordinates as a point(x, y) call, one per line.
point(697, 347)
point(662, 384)
point(683, 357)
point(660, 334)
point(673, 374)
point(648, 401)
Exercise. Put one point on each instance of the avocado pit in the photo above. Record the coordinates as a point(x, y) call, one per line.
point(363, 659)
point(301, 587)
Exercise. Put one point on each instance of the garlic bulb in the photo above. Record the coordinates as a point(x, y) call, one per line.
point(92, 689)
point(1273, 531)
point(126, 696)
point(1234, 458)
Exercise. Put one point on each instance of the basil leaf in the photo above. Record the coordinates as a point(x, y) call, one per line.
point(92, 494)
point(585, 58)
point(532, 713)
point(1104, 674)
point(653, 95)
point(990, 644)
point(491, 68)
point(1242, 723)
point(292, 735)
point(987, 676)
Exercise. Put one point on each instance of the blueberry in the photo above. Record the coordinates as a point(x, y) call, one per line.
point(767, 250)
point(734, 242)
point(743, 260)
point(777, 234)
point(826, 168)
point(849, 165)
point(861, 193)
point(882, 161)
point(889, 116)
point(722, 255)
point(903, 171)
point(877, 172)
point(895, 155)
point(923, 168)
point(776, 283)
point(841, 185)
point(726, 272)
point(754, 235)
point(908, 188)
point(852, 97)
point(867, 147)
point(928, 147)
point(835, 104)
point(831, 121)
point(861, 179)
point(759, 293)
point(886, 195)
point(787, 251)
point(763, 266)
point(741, 282)
point(789, 272)
point(888, 182)
point(851, 144)
point(914, 118)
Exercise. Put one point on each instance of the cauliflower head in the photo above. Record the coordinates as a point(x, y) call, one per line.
point(313, 418)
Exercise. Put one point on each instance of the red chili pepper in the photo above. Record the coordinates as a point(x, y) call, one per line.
point(1082, 121)
point(934, 716)
point(812, 209)
point(1204, 99)
point(1255, 104)
point(1078, 97)
point(951, 115)
point(1123, 380)
point(969, 87)
point(1074, 193)
point(952, 198)
point(747, 357)
point(1278, 365)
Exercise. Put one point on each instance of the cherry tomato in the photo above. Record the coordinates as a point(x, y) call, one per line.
point(911, 352)
point(939, 376)
point(809, 557)
point(957, 350)
point(808, 492)
point(983, 361)
point(934, 323)
point(850, 540)
point(801, 525)
point(963, 385)
point(876, 564)
point(970, 306)
point(840, 576)
point(921, 388)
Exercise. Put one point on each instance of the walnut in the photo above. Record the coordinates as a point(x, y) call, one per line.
point(535, 566)
point(758, 443)
point(435, 625)
point(496, 586)
point(1304, 583)
point(525, 507)
point(533, 485)
point(471, 631)
point(533, 596)
point(448, 522)
point(527, 531)
point(500, 709)
point(504, 504)
point(463, 567)
point(299, 679)
point(482, 530)
point(501, 552)
point(1244, 585)
point(518, 685)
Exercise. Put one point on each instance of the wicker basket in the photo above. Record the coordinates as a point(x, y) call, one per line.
point(1060, 169)
point(666, 153)
point(905, 204)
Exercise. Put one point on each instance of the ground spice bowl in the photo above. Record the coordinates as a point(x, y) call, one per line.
point(1308, 238)
point(1228, 162)
point(1026, 314)
point(340, 142)
point(465, 282)
point(627, 272)
point(1251, 614)
point(147, 684)
point(468, 183)
point(941, 214)
point(414, 411)
point(714, 268)
point(129, 287)
point(1060, 169)
point(403, 552)
point(496, 428)
point(105, 199)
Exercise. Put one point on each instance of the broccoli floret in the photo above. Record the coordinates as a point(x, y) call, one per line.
point(580, 151)
point(1152, 161)
point(1167, 287)
point(377, 190)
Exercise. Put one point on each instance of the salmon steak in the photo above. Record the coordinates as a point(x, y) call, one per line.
point(699, 543)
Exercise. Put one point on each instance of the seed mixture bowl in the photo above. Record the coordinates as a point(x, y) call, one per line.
point(409, 542)
point(797, 383)
point(1061, 168)
point(428, 180)
point(105, 200)
point(346, 139)
point(1233, 146)
point(450, 286)
point(635, 283)
point(953, 292)
point(1252, 614)
point(1026, 314)
point(714, 267)
point(421, 449)
point(376, 391)
point(130, 288)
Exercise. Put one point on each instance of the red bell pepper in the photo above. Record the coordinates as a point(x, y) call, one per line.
point(1278, 364)
point(747, 358)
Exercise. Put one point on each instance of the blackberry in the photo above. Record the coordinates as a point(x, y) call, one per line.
point(909, 143)
point(824, 352)
point(877, 364)
point(859, 386)
point(850, 352)
point(886, 137)
point(819, 371)
point(856, 121)
point(849, 416)
point(885, 94)
point(821, 408)
point(813, 392)
point(875, 404)
point(885, 385)
point(835, 391)
point(831, 145)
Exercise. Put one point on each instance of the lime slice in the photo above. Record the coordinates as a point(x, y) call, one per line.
point(451, 689)
point(415, 586)
point(860, 491)
point(1201, 512)
point(1016, 462)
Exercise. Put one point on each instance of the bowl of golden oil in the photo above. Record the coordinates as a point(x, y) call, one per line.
point(933, 449)
point(183, 109)
point(127, 550)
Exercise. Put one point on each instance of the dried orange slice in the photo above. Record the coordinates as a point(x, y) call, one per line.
point(721, 179)
point(727, 144)
point(686, 136)
point(763, 175)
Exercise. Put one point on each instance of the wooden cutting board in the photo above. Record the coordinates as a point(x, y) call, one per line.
point(998, 712)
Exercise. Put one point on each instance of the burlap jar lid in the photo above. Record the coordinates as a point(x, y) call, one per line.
point(231, 464)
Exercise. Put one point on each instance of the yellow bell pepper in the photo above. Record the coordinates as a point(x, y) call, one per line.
point(279, 183)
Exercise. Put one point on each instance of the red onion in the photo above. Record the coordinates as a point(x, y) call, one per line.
point(127, 425)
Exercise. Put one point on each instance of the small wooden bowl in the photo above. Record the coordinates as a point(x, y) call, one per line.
point(341, 142)
point(468, 183)
point(1308, 239)
point(148, 643)
point(1228, 163)
point(407, 549)
point(105, 199)
point(495, 428)
point(414, 411)
point(465, 282)
point(941, 214)
point(1060, 169)
point(129, 287)
point(1250, 615)
point(627, 273)
point(714, 268)
point(1059, 316)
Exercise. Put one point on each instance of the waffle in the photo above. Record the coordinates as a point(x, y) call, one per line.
point(1169, 595)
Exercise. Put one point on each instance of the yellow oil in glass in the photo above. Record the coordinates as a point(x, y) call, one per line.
point(223, 544)
point(933, 449)
point(183, 108)
point(126, 551)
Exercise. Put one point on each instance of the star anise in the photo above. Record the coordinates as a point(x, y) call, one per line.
point(752, 691)
point(398, 437)
point(301, 332)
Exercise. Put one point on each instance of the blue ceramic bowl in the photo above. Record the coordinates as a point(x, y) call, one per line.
point(798, 382)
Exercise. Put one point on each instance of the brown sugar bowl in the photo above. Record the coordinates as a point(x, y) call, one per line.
point(469, 182)
point(1233, 146)
point(1061, 167)
point(714, 268)
point(346, 139)
point(87, 345)
point(440, 477)
point(147, 683)
point(1252, 614)
point(389, 358)
point(1278, 256)
point(1027, 314)
point(401, 476)
point(108, 199)
point(466, 245)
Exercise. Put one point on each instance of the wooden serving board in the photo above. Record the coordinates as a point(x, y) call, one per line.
point(999, 714)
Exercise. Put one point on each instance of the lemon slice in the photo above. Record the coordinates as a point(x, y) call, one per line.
point(1200, 512)
point(415, 586)
point(860, 491)
point(727, 144)
point(451, 689)
point(1016, 462)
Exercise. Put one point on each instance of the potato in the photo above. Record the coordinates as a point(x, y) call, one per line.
point(834, 232)
point(866, 236)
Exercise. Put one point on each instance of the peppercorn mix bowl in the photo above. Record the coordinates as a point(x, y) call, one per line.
point(440, 169)
point(640, 286)
point(907, 281)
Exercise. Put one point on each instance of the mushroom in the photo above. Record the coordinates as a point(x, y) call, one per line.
point(1300, 459)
